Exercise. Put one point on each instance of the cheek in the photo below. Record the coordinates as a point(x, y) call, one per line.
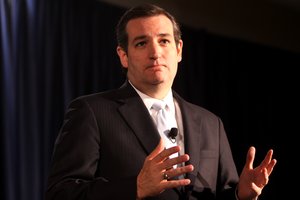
point(174, 65)
point(136, 60)
point(174, 71)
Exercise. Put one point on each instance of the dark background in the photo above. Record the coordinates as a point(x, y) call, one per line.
point(53, 51)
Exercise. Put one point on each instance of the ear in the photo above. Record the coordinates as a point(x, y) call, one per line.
point(123, 56)
point(179, 50)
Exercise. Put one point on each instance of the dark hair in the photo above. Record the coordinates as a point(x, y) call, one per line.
point(143, 10)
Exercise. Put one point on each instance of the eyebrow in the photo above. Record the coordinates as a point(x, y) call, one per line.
point(145, 36)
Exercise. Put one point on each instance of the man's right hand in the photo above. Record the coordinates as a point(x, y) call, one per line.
point(157, 171)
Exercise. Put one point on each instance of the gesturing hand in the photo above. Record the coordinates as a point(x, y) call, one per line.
point(151, 181)
point(252, 181)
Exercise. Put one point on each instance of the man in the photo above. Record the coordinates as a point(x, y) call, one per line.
point(110, 148)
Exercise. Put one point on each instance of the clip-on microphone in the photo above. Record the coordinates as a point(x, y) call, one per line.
point(172, 134)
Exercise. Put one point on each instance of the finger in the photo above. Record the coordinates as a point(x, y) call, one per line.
point(266, 176)
point(265, 179)
point(175, 183)
point(179, 171)
point(250, 158)
point(166, 153)
point(268, 163)
point(271, 165)
point(169, 163)
point(267, 159)
point(158, 149)
point(256, 188)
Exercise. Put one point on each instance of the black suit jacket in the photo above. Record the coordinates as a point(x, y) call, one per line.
point(106, 137)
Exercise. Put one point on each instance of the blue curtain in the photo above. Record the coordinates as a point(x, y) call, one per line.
point(49, 55)
point(52, 51)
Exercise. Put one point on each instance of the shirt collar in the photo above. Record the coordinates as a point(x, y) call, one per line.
point(148, 101)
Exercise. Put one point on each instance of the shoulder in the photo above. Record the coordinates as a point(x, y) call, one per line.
point(110, 97)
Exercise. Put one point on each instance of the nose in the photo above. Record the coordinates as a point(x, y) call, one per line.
point(154, 51)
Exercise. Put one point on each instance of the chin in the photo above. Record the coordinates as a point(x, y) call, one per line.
point(158, 82)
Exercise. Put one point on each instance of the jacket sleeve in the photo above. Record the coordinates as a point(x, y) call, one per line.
point(227, 173)
point(75, 159)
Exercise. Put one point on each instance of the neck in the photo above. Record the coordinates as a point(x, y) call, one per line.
point(158, 91)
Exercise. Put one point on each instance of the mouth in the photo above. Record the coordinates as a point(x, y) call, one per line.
point(156, 66)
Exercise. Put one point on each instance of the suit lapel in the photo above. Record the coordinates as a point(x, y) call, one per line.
point(191, 124)
point(140, 122)
point(144, 128)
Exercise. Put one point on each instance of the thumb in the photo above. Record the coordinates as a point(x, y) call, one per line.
point(250, 158)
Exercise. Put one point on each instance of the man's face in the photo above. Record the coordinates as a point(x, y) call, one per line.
point(152, 56)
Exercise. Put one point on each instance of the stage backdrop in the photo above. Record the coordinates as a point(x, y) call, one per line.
point(52, 51)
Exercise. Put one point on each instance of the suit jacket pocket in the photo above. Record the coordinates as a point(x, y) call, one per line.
point(206, 178)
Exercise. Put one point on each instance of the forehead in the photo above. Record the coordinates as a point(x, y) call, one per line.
point(149, 26)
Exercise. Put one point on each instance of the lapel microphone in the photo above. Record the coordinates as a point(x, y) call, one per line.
point(172, 134)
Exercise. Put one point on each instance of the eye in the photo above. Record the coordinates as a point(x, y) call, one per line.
point(140, 44)
point(164, 41)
